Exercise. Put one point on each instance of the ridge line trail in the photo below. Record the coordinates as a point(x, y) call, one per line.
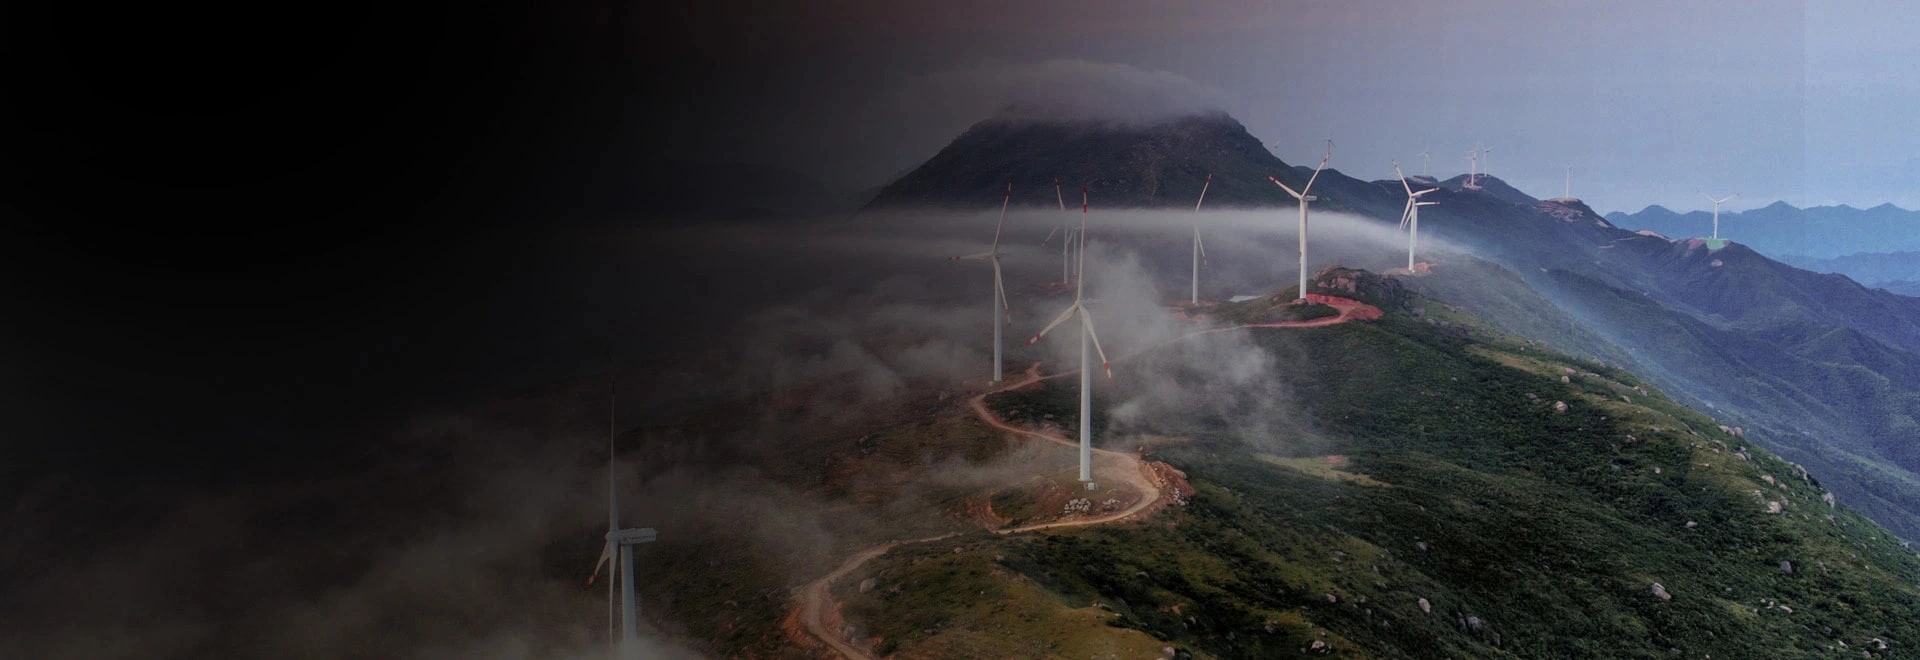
point(816, 598)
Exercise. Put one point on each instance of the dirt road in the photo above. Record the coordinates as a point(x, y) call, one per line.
point(816, 598)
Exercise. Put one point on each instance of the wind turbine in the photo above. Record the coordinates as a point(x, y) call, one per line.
point(1079, 309)
point(620, 541)
point(1410, 216)
point(999, 290)
point(1304, 198)
point(1066, 242)
point(1426, 161)
point(1716, 211)
point(1199, 249)
point(1473, 168)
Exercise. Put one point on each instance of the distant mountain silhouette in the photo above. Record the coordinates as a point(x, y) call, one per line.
point(1903, 287)
point(1874, 269)
point(1782, 229)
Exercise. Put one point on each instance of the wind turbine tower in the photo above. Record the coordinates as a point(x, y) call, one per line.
point(1304, 198)
point(620, 542)
point(1716, 211)
point(999, 289)
point(1410, 216)
point(1199, 249)
point(1078, 310)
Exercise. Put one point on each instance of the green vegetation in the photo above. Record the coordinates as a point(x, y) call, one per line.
point(1277, 308)
point(1532, 499)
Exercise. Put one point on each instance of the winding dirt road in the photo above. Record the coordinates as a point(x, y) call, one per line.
point(816, 598)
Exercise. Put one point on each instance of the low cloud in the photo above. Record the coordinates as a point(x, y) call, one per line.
point(468, 535)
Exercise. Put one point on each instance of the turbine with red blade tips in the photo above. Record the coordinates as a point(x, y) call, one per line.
point(1199, 249)
point(1304, 197)
point(1087, 338)
point(1000, 310)
point(1410, 216)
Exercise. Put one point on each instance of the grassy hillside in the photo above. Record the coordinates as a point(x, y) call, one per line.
point(1530, 500)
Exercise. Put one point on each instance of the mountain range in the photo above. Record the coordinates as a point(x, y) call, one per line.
point(1898, 272)
point(1820, 232)
point(1821, 368)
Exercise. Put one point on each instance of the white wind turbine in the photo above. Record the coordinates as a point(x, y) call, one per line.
point(1426, 161)
point(1716, 211)
point(1410, 216)
point(1199, 249)
point(620, 541)
point(1066, 242)
point(999, 290)
point(1473, 168)
point(1303, 196)
point(1079, 309)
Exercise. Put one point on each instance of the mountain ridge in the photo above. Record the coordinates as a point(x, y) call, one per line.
point(1162, 164)
point(1741, 308)
point(1780, 228)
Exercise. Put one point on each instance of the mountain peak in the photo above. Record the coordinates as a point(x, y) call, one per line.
point(1489, 185)
point(1156, 163)
point(1046, 112)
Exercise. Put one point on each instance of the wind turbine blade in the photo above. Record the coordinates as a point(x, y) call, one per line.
point(1403, 178)
point(1087, 322)
point(1049, 238)
point(606, 558)
point(1200, 244)
point(1316, 171)
point(613, 502)
point(1406, 213)
point(1056, 322)
point(1056, 194)
point(1001, 291)
point(1080, 272)
point(613, 509)
point(1283, 186)
point(1003, 217)
point(1423, 192)
point(1203, 192)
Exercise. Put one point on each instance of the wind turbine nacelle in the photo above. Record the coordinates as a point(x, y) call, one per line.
point(632, 536)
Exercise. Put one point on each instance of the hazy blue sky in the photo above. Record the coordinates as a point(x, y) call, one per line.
point(1649, 103)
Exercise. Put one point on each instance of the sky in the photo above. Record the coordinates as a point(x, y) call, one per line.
point(1648, 103)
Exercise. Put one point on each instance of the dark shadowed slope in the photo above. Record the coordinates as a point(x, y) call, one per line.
point(1125, 165)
